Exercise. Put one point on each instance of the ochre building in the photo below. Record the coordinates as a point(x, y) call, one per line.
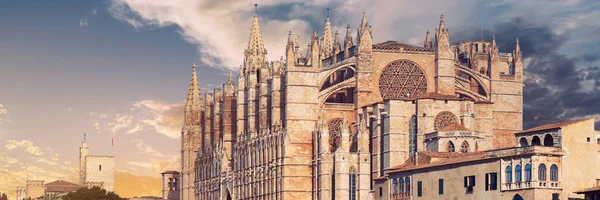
point(323, 124)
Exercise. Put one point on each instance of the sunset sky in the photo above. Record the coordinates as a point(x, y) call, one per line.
point(121, 68)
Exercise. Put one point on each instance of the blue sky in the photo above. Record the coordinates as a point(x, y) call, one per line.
point(121, 68)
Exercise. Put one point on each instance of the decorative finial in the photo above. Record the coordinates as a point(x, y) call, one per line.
point(84, 137)
point(255, 8)
point(194, 66)
point(327, 11)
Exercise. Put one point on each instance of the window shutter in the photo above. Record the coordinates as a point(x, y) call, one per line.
point(487, 182)
point(466, 181)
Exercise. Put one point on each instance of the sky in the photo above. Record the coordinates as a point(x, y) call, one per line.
point(121, 68)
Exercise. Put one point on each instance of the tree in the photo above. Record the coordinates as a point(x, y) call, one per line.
point(3, 197)
point(94, 193)
point(49, 196)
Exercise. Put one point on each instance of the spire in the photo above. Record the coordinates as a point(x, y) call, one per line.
point(255, 53)
point(427, 40)
point(348, 39)
point(230, 81)
point(194, 100)
point(518, 47)
point(336, 43)
point(442, 25)
point(327, 45)
point(363, 23)
point(494, 41)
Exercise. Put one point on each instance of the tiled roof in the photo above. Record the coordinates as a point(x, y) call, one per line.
point(61, 186)
point(454, 127)
point(551, 126)
point(587, 190)
point(447, 159)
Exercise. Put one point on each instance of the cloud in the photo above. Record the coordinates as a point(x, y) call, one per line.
point(145, 149)
point(164, 118)
point(83, 23)
point(94, 12)
point(26, 144)
point(120, 122)
point(155, 161)
point(558, 87)
point(4, 115)
point(144, 185)
point(70, 109)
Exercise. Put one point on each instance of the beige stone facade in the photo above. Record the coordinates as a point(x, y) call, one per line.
point(96, 170)
point(324, 124)
point(552, 167)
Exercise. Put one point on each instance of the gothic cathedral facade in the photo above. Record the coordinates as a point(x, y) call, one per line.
point(324, 124)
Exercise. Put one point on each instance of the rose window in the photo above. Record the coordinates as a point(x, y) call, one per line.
point(400, 79)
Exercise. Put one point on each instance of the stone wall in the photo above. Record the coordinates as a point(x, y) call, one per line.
point(101, 169)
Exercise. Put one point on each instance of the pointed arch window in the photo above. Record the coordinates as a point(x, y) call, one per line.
point(352, 183)
point(412, 135)
point(542, 172)
point(395, 186)
point(450, 147)
point(334, 128)
point(509, 174)
point(464, 147)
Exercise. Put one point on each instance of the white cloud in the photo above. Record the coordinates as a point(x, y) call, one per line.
point(119, 122)
point(70, 109)
point(146, 150)
point(164, 118)
point(26, 144)
point(94, 12)
point(4, 115)
point(83, 23)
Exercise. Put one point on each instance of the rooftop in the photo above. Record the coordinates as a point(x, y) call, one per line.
point(588, 190)
point(61, 186)
point(551, 126)
point(454, 127)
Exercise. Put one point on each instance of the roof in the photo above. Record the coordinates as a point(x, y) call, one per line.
point(170, 172)
point(61, 186)
point(551, 126)
point(454, 127)
point(447, 158)
point(588, 190)
point(392, 44)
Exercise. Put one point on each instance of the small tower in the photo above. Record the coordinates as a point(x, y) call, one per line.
point(444, 59)
point(365, 44)
point(336, 47)
point(347, 43)
point(427, 43)
point(170, 185)
point(83, 153)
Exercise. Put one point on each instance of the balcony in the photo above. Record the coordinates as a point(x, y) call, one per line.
point(525, 150)
point(531, 185)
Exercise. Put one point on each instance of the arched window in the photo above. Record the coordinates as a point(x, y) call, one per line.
point(450, 146)
point(464, 147)
point(509, 174)
point(444, 119)
point(400, 79)
point(407, 184)
point(412, 136)
point(523, 142)
point(548, 140)
point(395, 186)
point(528, 172)
point(518, 177)
point(542, 172)
point(334, 129)
point(352, 183)
point(536, 141)
point(554, 172)
point(401, 185)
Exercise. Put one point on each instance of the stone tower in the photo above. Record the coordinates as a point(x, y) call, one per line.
point(170, 185)
point(191, 138)
point(83, 153)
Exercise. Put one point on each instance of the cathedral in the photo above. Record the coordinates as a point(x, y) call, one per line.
point(328, 122)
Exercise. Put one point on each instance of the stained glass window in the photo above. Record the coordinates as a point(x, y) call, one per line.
point(402, 78)
point(335, 128)
point(444, 119)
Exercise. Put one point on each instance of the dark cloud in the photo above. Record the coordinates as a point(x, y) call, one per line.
point(558, 87)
